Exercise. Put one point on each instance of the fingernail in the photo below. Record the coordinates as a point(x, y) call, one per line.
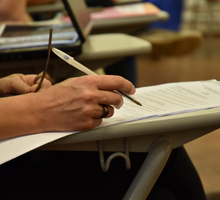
point(34, 87)
point(133, 91)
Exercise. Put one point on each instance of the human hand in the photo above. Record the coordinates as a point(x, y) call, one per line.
point(20, 84)
point(76, 104)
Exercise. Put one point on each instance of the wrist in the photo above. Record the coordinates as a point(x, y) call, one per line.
point(21, 118)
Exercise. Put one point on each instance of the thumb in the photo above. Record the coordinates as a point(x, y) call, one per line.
point(33, 88)
point(22, 88)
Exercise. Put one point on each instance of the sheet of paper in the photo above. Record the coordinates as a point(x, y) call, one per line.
point(166, 99)
point(15, 147)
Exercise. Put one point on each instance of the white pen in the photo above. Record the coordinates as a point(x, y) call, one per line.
point(71, 61)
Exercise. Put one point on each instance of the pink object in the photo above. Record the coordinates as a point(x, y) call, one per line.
point(138, 9)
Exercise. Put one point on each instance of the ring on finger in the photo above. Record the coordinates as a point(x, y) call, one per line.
point(105, 111)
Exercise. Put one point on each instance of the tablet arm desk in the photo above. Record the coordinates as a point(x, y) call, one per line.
point(157, 136)
point(98, 51)
point(102, 50)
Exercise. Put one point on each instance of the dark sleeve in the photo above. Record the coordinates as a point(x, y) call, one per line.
point(102, 3)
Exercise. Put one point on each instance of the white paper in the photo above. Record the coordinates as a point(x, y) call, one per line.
point(166, 99)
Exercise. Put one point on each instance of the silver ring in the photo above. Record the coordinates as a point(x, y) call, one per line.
point(106, 111)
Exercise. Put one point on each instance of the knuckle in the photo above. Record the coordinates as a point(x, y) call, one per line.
point(87, 111)
point(89, 95)
point(86, 80)
point(87, 124)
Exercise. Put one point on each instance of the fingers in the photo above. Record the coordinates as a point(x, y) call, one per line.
point(21, 87)
point(97, 111)
point(116, 83)
point(111, 98)
point(33, 88)
point(87, 123)
point(44, 84)
point(39, 76)
point(108, 82)
point(22, 84)
point(102, 110)
point(78, 102)
point(102, 89)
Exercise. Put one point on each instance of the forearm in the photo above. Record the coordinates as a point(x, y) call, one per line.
point(17, 116)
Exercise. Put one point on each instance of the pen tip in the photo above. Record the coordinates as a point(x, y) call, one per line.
point(137, 102)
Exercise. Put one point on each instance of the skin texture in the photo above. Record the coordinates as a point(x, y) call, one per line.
point(72, 105)
point(14, 11)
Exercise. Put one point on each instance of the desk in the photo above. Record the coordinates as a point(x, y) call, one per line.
point(128, 25)
point(102, 57)
point(48, 8)
point(158, 136)
point(58, 6)
point(121, 25)
point(98, 51)
point(119, 2)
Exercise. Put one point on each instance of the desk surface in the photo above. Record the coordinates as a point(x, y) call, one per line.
point(98, 51)
point(133, 20)
point(102, 46)
point(58, 6)
point(129, 25)
point(119, 2)
point(108, 24)
point(180, 128)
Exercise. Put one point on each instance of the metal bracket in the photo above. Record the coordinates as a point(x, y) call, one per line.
point(105, 166)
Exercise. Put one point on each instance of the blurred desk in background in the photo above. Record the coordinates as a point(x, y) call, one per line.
point(98, 51)
point(117, 25)
point(127, 25)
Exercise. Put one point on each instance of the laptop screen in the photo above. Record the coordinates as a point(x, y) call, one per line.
point(80, 16)
point(18, 41)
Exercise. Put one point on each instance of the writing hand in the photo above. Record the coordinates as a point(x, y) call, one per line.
point(76, 103)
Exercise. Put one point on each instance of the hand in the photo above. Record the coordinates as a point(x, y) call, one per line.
point(20, 84)
point(76, 103)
